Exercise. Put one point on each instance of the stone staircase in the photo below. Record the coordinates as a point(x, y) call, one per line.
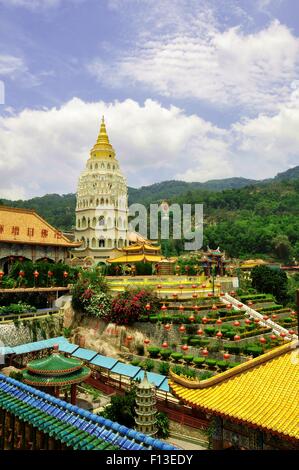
point(277, 329)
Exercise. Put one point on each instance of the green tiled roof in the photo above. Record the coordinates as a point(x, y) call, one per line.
point(52, 380)
point(55, 364)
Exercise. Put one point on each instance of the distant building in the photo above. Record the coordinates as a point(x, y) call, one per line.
point(102, 204)
point(26, 235)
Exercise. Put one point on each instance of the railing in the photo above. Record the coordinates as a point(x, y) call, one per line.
point(277, 329)
point(21, 316)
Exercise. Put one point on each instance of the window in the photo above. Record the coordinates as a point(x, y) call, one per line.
point(30, 231)
point(15, 230)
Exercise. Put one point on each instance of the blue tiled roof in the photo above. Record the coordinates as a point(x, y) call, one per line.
point(104, 361)
point(164, 387)
point(76, 427)
point(86, 354)
point(68, 347)
point(125, 369)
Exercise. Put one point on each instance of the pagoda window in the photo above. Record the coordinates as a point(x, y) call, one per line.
point(102, 202)
point(119, 222)
point(87, 241)
point(79, 223)
point(83, 222)
point(96, 166)
point(102, 220)
point(109, 243)
point(108, 166)
point(97, 202)
point(107, 201)
point(93, 243)
point(102, 165)
point(94, 222)
point(113, 167)
point(101, 243)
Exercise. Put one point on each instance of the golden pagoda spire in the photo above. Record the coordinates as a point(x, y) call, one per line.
point(103, 136)
point(102, 147)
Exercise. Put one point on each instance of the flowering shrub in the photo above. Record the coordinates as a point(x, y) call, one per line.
point(89, 284)
point(128, 306)
point(97, 304)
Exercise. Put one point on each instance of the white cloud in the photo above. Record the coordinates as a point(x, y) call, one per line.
point(11, 65)
point(44, 151)
point(198, 58)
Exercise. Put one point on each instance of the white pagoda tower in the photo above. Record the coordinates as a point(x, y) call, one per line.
point(146, 407)
point(102, 204)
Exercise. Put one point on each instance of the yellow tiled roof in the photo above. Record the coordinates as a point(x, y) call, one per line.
point(136, 258)
point(265, 395)
point(26, 226)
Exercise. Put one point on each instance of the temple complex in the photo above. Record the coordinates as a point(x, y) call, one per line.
point(102, 204)
point(24, 235)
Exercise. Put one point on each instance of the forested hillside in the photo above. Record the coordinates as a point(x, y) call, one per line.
point(260, 219)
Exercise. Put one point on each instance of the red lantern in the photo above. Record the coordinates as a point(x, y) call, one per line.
point(181, 286)
point(240, 305)
point(192, 318)
point(222, 294)
point(228, 306)
point(214, 307)
point(1, 275)
point(291, 332)
point(203, 286)
point(36, 274)
point(274, 316)
point(184, 347)
point(265, 317)
point(199, 332)
point(65, 274)
point(219, 321)
point(250, 303)
point(163, 308)
point(292, 313)
point(210, 294)
point(175, 296)
point(232, 293)
point(194, 286)
point(50, 274)
point(219, 335)
point(159, 286)
point(181, 307)
point(146, 341)
point(196, 308)
point(194, 295)
point(256, 320)
point(129, 338)
point(282, 334)
point(236, 323)
point(167, 327)
point(165, 344)
point(182, 329)
point(247, 321)
point(226, 356)
point(273, 337)
point(263, 340)
point(148, 307)
point(204, 320)
point(22, 273)
point(205, 352)
point(237, 337)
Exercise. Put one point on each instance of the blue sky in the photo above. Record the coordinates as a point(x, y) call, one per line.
point(191, 89)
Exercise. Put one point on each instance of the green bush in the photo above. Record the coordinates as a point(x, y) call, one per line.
point(153, 351)
point(211, 362)
point(233, 348)
point(204, 375)
point(210, 331)
point(165, 353)
point(195, 342)
point(223, 365)
point(148, 365)
point(140, 349)
point(199, 361)
point(288, 320)
point(176, 356)
point(135, 362)
point(254, 350)
point(163, 368)
point(188, 359)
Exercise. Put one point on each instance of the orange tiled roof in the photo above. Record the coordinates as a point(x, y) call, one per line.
point(263, 392)
point(26, 226)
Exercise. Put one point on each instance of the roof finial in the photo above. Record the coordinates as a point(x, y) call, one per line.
point(103, 119)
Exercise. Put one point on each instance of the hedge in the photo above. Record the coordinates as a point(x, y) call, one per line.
point(176, 356)
point(198, 361)
point(153, 351)
point(165, 353)
point(188, 359)
point(211, 362)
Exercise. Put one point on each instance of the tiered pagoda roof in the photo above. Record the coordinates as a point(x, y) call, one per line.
point(137, 252)
point(55, 370)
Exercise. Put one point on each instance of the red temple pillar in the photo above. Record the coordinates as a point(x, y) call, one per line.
point(73, 394)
